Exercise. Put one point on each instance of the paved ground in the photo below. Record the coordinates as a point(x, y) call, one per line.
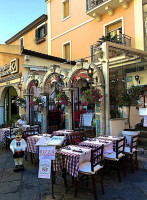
point(26, 185)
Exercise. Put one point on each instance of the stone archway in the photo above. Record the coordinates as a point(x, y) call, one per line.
point(99, 110)
point(52, 74)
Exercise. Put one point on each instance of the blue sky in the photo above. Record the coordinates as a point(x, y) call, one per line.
point(17, 14)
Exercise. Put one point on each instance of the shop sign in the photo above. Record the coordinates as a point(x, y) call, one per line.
point(129, 79)
point(47, 152)
point(81, 75)
point(13, 68)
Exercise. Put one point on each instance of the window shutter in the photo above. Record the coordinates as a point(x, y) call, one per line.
point(67, 51)
point(36, 33)
point(66, 8)
point(45, 29)
point(114, 26)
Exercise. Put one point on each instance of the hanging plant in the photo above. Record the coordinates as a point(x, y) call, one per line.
point(129, 97)
point(20, 102)
point(62, 99)
point(91, 96)
point(37, 101)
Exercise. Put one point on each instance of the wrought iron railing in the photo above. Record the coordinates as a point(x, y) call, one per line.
point(90, 4)
point(122, 40)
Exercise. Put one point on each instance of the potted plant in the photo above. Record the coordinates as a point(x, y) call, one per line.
point(62, 99)
point(91, 96)
point(20, 102)
point(37, 103)
point(128, 98)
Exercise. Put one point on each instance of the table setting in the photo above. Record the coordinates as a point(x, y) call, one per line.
point(95, 142)
point(71, 157)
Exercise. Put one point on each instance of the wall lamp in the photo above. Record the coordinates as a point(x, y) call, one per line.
point(137, 79)
point(19, 86)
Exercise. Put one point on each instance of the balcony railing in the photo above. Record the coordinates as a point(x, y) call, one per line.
point(90, 4)
point(122, 40)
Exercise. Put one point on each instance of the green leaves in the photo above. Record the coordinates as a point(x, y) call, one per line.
point(129, 97)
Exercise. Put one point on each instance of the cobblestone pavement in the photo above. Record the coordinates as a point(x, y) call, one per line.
point(26, 185)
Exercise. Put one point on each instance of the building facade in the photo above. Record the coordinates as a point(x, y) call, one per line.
point(110, 34)
point(33, 37)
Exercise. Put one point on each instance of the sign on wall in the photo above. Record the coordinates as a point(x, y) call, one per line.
point(13, 68)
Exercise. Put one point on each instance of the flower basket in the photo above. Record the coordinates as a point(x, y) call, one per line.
point(62, 99)
point(20, 102)
point(91, 96)
point(37, 102)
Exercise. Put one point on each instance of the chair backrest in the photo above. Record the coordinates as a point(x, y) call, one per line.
point(6, 125)
point(89, 133)
point(96, 157)
point(27, 133)
point(52, 128)
point(134, 142)
point(76, 138)
point(11, 131)
point(120, 146)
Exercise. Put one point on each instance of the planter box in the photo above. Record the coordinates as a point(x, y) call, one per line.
point(143, 111)
point(128, 135)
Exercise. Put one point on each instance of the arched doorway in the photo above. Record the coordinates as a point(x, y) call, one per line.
point(79, 81)
point(53, 84)
point(10, 110)
point(34, 91)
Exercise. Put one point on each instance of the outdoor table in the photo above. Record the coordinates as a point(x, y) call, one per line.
point(4, 132)
point(66, 133)
point(63, 132)
point(31, 142)
point(74, 156)
point(113, 139)
point(27, 127)
point(95, 143)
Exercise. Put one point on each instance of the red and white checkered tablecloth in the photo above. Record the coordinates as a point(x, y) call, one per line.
point(63, 132)
point(94, 143)
point(4, 132)
point(31, 142)
point(113, 139)
point(72, 159)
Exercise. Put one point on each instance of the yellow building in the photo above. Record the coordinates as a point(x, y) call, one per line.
point(33, 37)
point(19, 69)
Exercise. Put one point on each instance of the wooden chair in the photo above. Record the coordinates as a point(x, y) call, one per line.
point(52, 128)
point(6, 125)
point(130, 151)
point(36, 128)
point(91, 169)
point(28, 133)
point(89, 133)
point(117, 157)
point(76, 138)
point(9, 137)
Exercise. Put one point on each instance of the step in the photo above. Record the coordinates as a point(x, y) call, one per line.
point(142, 162)
point(142, 141)
point(143, 134)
